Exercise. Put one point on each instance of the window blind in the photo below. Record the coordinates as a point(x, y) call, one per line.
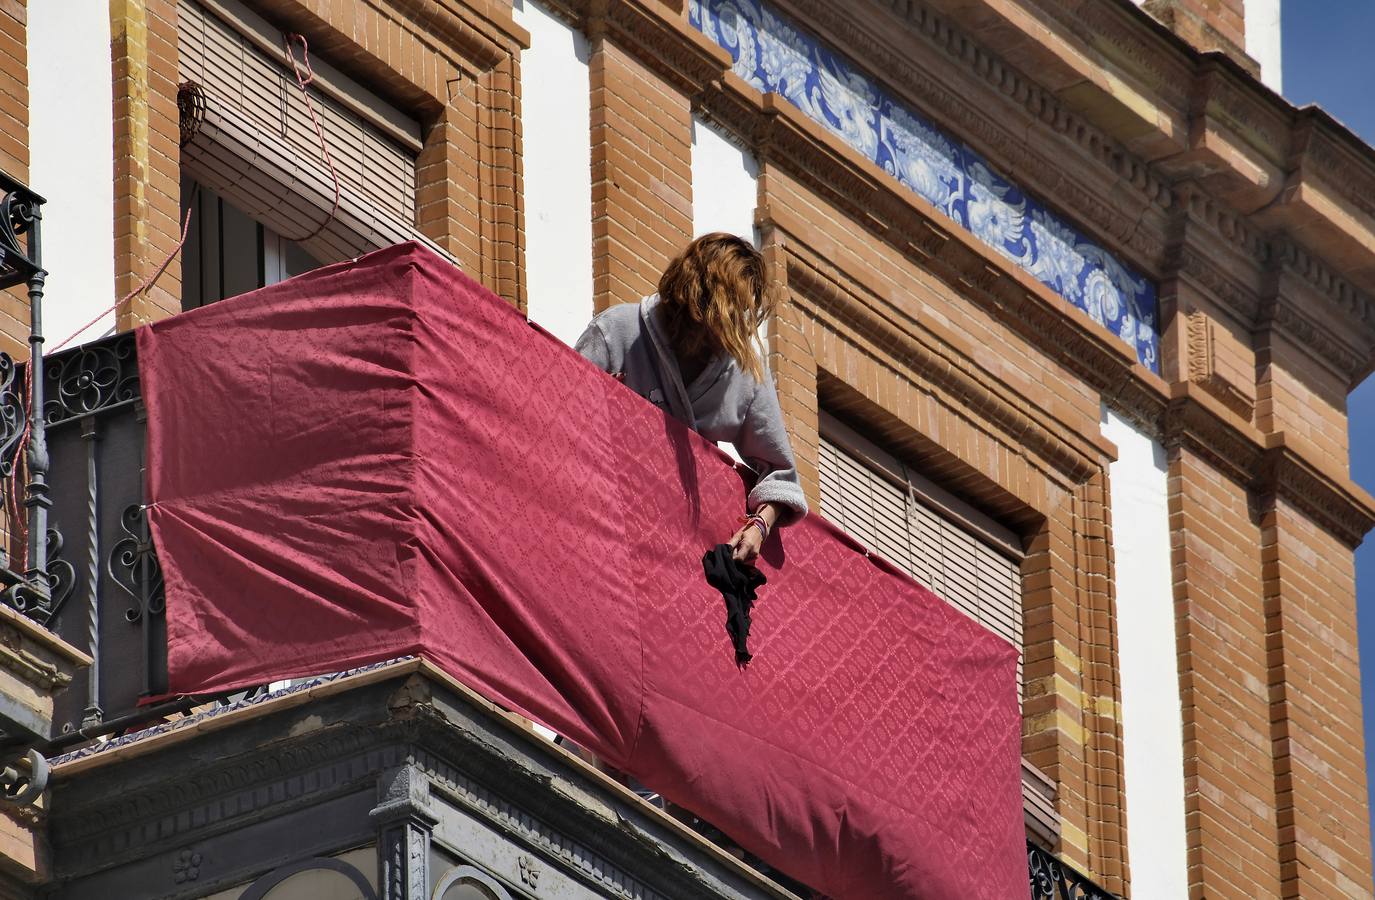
point(257, 145)
point(964, 558)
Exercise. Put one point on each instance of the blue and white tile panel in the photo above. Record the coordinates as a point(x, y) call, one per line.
point(775, 56)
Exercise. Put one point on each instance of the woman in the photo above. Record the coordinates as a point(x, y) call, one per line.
point(692, 349)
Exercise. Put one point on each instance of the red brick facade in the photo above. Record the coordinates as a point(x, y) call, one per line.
point(957, 360)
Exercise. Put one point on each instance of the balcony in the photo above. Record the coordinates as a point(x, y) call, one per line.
point(104, 587)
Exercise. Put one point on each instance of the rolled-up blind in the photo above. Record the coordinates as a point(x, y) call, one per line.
point(257, 145)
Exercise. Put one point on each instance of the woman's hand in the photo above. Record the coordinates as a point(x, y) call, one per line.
point(749, 539)
point(746, 544)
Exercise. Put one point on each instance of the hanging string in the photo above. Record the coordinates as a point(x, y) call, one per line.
point(303, 81)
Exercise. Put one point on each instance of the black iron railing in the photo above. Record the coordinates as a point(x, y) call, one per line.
point(1051, 879)
point(104, 586)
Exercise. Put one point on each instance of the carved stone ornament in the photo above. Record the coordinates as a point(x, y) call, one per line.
point(187, 866)
point(1203, 369)
point(529, 871)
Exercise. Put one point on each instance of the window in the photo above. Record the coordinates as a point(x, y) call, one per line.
point(227, 252)
point(963, 556)
point(250, 139)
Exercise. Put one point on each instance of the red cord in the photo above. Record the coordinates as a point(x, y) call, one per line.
point(304, 82)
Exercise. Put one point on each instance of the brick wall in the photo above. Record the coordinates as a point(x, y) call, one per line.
point(641, 175)
point(1315, 711)
point(143, 53)
point(14, 153)
point(1224, 680)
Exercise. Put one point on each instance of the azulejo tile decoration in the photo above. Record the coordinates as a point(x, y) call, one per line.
point(775, 56)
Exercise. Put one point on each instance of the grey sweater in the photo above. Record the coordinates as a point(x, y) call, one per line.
point(722, 403)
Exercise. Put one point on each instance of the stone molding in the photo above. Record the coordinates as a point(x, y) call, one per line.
point(1342, 509)
point(1203, 370)
point(1270, 465)
point(1018, 423)
point(466, 793)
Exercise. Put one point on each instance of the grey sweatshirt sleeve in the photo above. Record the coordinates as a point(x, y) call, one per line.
point(592, 345)
point(763, 443)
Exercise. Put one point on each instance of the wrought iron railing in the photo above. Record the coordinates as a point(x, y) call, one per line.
point(1052, 879)
point(104, 584)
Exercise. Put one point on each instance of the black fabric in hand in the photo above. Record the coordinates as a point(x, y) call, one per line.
point(737, 582)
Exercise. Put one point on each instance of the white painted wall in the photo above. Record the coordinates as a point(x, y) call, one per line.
point(1152, 724)
point(557, 137)
point(725, 190)
point(71, 148)
point(725, 184)
point(1263, 40)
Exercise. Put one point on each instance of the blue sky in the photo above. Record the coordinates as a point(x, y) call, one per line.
point(1327, 60)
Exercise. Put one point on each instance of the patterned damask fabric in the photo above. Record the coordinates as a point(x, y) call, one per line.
point(775, 56)
point(381, 458)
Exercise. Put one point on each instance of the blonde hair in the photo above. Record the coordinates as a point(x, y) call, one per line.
point(714, 299)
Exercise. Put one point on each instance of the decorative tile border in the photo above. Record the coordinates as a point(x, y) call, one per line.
point(775, 56)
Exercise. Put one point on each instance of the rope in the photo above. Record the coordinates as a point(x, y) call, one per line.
point(303, 81)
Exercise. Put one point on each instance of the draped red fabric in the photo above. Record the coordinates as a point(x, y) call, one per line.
point(382, 458)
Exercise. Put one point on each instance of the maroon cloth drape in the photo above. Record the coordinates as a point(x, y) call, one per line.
point(382, 458)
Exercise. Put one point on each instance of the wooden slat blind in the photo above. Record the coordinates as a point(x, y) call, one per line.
point(258, 147)
point(869, 494)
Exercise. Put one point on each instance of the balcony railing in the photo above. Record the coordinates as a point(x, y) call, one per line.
point(1052, 879)
point(105, 587)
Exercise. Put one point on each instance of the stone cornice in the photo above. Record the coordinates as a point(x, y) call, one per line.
point(1272, 465)
point(1099, 200)
point(1337, 504)
point(1325, 330)
point(1246, 140)
point(406, 715)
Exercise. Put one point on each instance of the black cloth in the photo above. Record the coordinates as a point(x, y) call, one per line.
point(737, 583)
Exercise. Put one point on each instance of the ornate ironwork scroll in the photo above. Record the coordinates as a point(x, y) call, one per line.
point(41, 596)
point(13, 410)
point(133, 565)
point(1053, 880)
point(91, 378)
point(20, 213)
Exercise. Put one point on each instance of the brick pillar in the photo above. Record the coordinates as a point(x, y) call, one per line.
point(792, 361)
point(143, 53)
point(1102, 695)
point(641, 173)
point(14, 153)
point(1315, 691)
point(1229, 791)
